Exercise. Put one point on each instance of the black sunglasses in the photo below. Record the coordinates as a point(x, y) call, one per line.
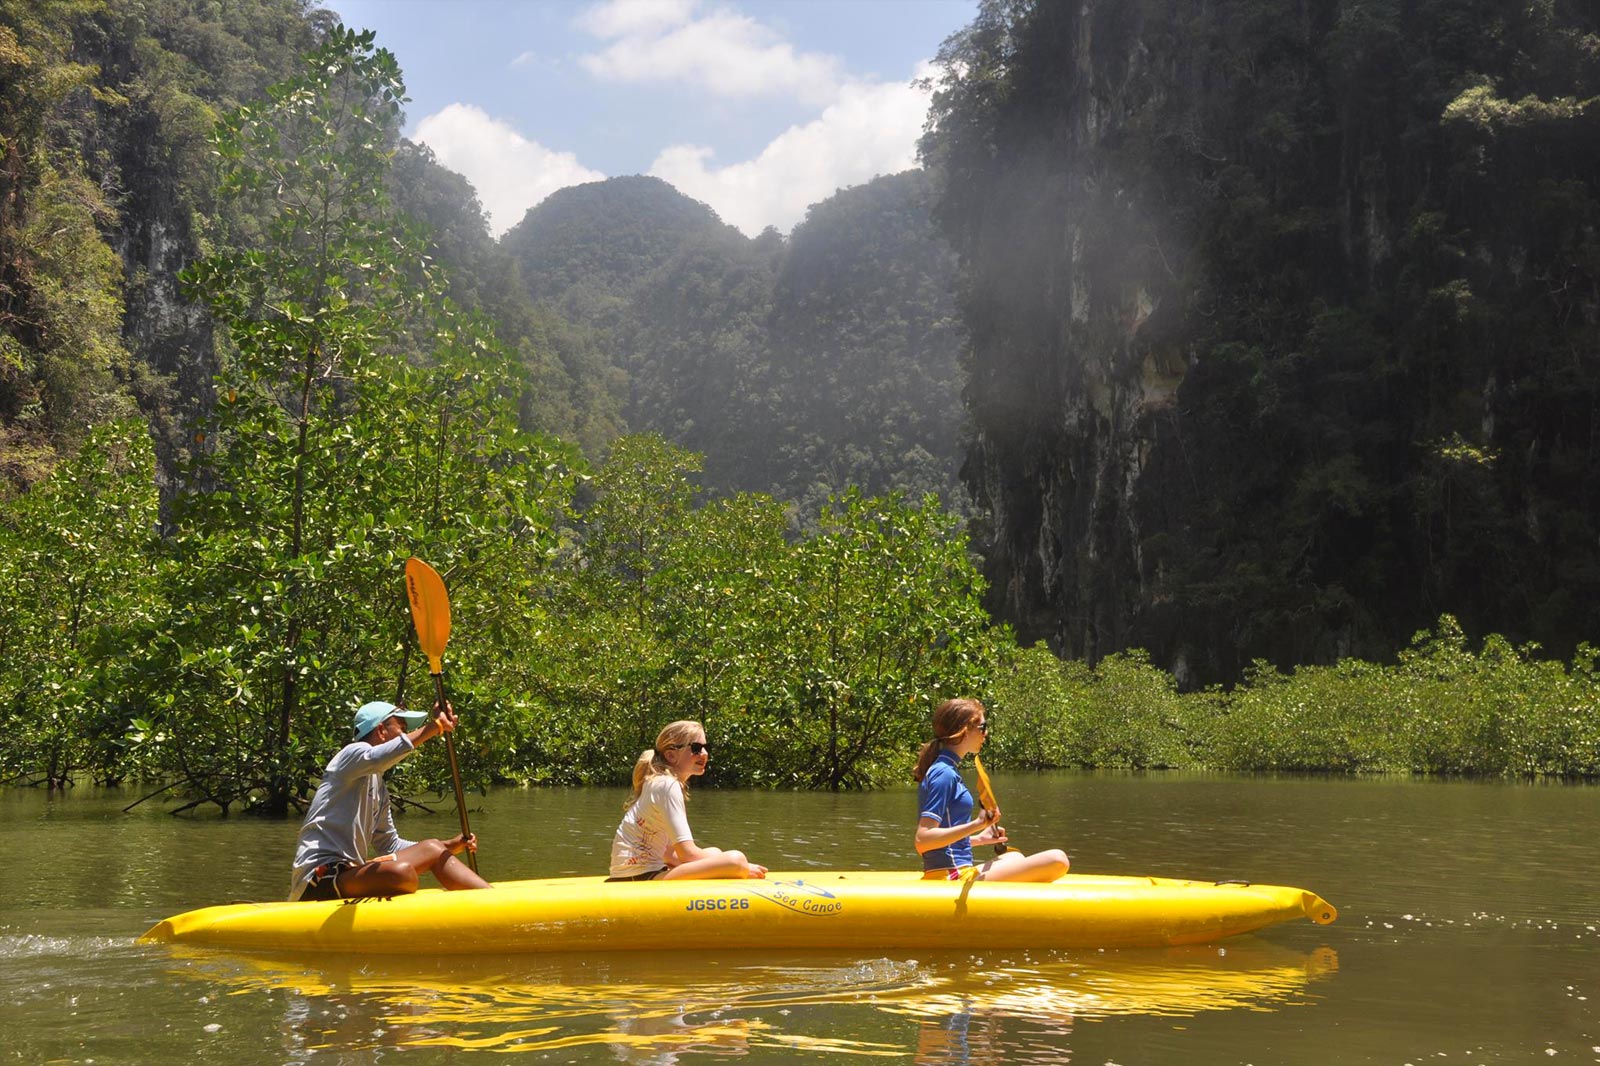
point(694, 746)
point(983, 727)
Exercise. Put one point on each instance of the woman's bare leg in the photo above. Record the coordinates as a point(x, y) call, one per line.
point(1015, 866)
point(716, 864)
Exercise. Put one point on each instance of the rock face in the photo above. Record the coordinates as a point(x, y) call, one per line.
point(171, 333)
point(1072, 314)
point(1250, 290)
point(166, 71)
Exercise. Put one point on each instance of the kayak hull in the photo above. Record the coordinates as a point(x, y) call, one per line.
point(803, 909)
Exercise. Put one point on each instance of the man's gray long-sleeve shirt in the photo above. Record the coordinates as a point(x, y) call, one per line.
point(350, 818)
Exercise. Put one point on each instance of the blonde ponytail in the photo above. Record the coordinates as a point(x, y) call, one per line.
point(652, 763)
point(648, 765)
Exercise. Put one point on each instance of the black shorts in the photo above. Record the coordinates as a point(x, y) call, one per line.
point(648, 875)
point(324, 883)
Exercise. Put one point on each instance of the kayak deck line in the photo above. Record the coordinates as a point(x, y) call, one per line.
point(795, 909)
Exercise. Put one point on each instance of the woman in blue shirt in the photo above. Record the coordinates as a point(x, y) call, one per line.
point(946, 827)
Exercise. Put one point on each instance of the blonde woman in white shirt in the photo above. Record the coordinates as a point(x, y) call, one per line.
point(653, 841)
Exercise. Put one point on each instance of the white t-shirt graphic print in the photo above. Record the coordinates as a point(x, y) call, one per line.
point(655, 822)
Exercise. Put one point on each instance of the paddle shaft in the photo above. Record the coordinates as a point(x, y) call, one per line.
point(1001, 849)
point(455, 775)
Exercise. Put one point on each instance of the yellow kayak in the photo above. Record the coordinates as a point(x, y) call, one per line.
point(865, 909)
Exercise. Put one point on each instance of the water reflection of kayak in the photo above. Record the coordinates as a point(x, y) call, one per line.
point(809, 909)
point(650, 1008)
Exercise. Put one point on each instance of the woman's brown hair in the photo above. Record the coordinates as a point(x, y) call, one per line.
point(950, 721)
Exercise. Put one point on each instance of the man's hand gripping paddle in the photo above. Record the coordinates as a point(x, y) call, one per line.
point(430, 613)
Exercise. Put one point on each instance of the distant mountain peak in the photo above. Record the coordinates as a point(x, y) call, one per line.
point(611, 233)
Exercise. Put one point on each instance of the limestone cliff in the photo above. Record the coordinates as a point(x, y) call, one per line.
point(1278, 347)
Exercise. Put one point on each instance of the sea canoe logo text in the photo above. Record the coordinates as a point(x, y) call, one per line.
point(794, 896)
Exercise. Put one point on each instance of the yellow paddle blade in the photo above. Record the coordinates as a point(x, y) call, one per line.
point(985, 790)
point(430, 610)
point(986, 796)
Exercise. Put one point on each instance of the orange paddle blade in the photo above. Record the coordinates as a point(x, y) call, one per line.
point(430, 610)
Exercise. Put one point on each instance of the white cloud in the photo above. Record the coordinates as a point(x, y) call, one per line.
point(509, 172)
point(862, 129)
point(622, 18)
point(729, 54)
point(870, 129)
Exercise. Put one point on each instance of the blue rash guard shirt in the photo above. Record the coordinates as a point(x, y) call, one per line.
point(943, 796)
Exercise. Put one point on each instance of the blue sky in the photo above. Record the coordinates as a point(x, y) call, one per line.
point(759, 108)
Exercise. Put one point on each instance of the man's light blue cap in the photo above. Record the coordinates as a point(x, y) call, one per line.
point(372, 715)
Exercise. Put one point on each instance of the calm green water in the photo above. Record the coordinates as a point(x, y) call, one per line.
point(1468, 934)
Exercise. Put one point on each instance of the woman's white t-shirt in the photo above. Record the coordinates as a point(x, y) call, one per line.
point(654, 823)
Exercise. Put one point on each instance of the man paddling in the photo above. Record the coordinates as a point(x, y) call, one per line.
point(349, 847)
